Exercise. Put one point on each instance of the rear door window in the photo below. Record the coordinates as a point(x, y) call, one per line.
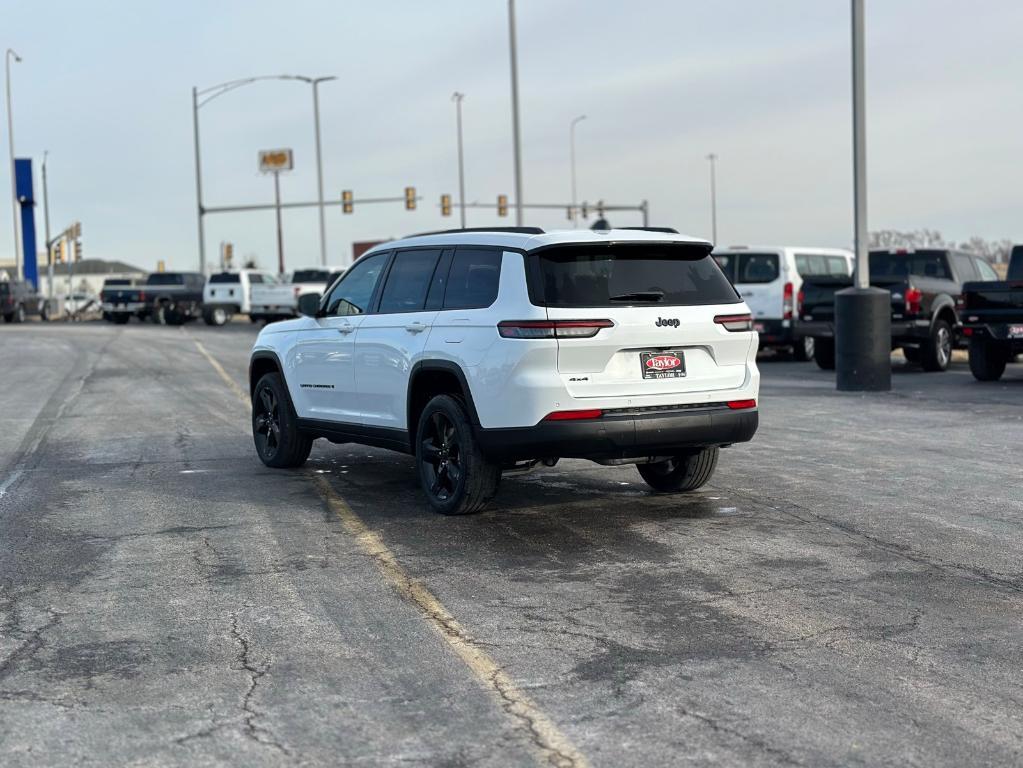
point(473, 279)
point(757, 268)
point(630, 274)
point(408, 281)
point(886, 264)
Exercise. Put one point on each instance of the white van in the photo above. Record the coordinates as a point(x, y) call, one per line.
point(769, 279)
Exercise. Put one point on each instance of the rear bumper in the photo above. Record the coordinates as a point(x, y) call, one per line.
point(902, 330)
point(133, 306)
point(996, 333)
point(622, 435)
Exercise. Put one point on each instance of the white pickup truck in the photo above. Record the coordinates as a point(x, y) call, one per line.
point(280, 301)
point(230, 293)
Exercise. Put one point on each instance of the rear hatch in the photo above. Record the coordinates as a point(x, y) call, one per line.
point(759, 278)
point(661, 301)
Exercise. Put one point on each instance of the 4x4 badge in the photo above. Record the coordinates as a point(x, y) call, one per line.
point(664, 322)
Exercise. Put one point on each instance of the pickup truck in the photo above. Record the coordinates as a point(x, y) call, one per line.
point(114, 292)
point(280, 301)
point(230, 293)
point(925, 285)
point(992, 313)
point(168, 298)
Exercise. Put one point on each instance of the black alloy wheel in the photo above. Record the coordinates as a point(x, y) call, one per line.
point(279, 442)
point(441, 453)
point(267, 424)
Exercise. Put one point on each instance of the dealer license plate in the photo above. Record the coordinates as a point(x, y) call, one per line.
point(1016, 331)
point(662, 365)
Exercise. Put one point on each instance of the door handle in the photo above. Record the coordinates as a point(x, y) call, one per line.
point(346, 328)
point(415, 327)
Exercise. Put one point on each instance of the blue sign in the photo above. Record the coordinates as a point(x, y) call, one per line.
point(23, 186)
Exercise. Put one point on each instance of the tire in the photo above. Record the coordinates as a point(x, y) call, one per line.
point(215, 316)
point(685, 472)
point(824, 354)
point(803, 349)
point(912, 355)
point(936, 352)
point(455, 476)
point(987, 360)
point(120, 318)
point(279, 443)
point(160, 314)
point(9, 317)
point(19, 314)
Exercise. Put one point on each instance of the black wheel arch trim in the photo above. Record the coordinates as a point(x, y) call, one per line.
point(447, 366)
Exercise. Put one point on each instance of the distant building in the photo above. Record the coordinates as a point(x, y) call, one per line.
point(88, 276)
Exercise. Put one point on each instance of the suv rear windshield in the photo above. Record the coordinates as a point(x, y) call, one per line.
point(749, 267)
point(311, 276)
point(224, 277)
point(920, 263)
point(626, 274)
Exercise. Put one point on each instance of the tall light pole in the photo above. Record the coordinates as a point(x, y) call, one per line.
point(46, 224)
point(862, 314)
point(713, 198)
point(571, 155)
point(458, 98)
point(315, 82)
point(515, 113)
point(10, 151)
point(204, 96)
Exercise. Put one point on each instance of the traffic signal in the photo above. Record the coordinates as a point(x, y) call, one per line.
point(346, 201)
point(502, 205)
point(410, 198)
point(228, 254)
point(445, 205)
point(78, 250)
point(161, 266)
point(58, 252)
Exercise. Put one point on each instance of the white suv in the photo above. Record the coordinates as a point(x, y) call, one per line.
point(483, 351)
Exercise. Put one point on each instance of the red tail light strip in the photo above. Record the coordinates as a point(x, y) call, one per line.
point(741, 405)
point(551, 329)
point(735, 323)
point(592, 413)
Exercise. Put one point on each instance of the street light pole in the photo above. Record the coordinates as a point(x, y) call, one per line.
point(280, 235)
point(713, 198)
point(10, 147)
point(458, 98)
point(515, 113)
point(46, 224)
point(198, 179)
point(315, 82)
point(571, 153)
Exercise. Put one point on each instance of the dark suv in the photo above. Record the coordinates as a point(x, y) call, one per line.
point(18, 299)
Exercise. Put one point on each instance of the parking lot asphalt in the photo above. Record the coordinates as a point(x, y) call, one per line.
point(848, 590)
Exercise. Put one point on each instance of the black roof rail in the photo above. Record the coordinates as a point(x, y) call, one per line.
point(513, 230)
point(665, 230)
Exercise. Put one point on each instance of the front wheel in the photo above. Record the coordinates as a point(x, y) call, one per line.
point(19, 314)
point(215, 316)
point(987, 360)
point(824, 354)
point(456, 478)
point(685, 472)
point(275, 432)
point(936, 352)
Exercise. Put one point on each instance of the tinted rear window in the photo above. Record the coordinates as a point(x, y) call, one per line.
point(311, 276)
point(224, 277)
point(884, 264)
point(473, 279)
point(165, 278)
point(756, 267)
point(623, 275)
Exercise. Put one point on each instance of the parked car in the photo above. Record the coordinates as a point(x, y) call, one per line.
point(925, 285)
point(992, 313)
point(120, 301)
point(230, 293)
point(483, 351)
point(18, 300)
point(280, 300)
point(169, 298)
point(770, 277)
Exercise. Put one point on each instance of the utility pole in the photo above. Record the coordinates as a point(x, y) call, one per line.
point(46, 225)
point(280, 235)
point(571, 156)
point(315, 82)
point(862, 314)
point(458, 98)
point(10, 147)
point(713, 199)
point(198, 179)
point(515, 114)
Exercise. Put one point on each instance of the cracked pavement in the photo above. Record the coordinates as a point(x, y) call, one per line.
point(847, 591)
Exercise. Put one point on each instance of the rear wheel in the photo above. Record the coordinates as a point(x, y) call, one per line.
point(685, 472)
point(803, 349)
point(215, 316)
point(987, 360)
point(936, 352)
point(19, 314)
point(824, 354)
point(275, 432)
point(456, 478)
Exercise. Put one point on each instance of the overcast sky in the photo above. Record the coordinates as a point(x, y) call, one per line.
point(106, 87)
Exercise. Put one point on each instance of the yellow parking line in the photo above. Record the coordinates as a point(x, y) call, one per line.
point(549, 745)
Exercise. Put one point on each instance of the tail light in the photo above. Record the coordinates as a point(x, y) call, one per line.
point(787, 302)
point(735, 322)
point(592, 413)
point(799, 302)
point(297, 291)
point(913, 299)
point(142, 295)
point(551, 329)
point(741, 405)
point(967, 331)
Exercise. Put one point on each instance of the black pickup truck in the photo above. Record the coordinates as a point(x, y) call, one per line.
point(925, 285)
point(992, 313)
point(168, 298)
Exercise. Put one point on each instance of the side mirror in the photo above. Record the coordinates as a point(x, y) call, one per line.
point(309, 304)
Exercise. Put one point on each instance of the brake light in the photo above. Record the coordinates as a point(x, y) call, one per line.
point(592, 413)
point(787, 302)
point(799, 302)
point(741, 405)
point(735, 322)
point(551, 329)
point(967, 331)
point(142, 295)
point(913, 299)
point(297, 290)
